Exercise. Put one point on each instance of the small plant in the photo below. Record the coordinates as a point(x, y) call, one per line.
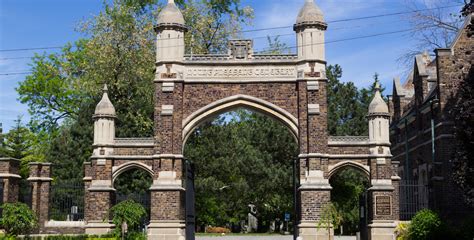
point(129, 212)
point(18, 219)
point(424, 225)
point(402, 231)
point(330, 216)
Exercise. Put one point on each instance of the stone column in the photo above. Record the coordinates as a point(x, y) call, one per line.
point(99, 196)
point(167, 200)
point(40, 179)
point(315, 194)
point(381, 202)
point(9, 177)
point(167, 220)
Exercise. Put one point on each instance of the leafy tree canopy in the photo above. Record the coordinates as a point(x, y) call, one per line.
point(242, 158)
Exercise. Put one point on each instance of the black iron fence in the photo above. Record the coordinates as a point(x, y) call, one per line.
point(25, 192)
point(413, 198)
point(67, 201)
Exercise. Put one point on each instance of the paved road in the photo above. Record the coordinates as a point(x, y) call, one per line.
point(273, 237)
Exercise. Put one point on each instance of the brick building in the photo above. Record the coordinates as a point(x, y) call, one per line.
point(421, 131)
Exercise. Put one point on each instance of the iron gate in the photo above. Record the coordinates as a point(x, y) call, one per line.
point(67, 201)
point(413, 198)
point(363, 216)
point(190, 201)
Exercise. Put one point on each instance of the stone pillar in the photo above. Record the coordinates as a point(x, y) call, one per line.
point(315, 194)
point(382, 201)
point(167, 220)
point(99, 196)
point(40, 179)
point(9, 177)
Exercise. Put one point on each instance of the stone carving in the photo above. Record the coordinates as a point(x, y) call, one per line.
point(348, 138)
point(168, 73)
point(383, 205)
point(312, 73)
point(126, 141)
point(240, 72)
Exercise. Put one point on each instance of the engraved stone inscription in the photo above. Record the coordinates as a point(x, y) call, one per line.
point(383, 205)
point(240, 72)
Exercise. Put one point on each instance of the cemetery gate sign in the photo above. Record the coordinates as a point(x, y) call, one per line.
point(190, 89)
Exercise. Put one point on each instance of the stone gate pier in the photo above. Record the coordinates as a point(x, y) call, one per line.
point(191, 89)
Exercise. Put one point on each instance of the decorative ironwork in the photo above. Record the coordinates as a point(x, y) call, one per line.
point(25, 192)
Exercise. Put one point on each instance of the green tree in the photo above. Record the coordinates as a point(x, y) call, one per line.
point(213, 23)
point(242, 158)
point(348, 185)
point(22, 144)
point(276, 46)
point(463, 112)
point(347, 105)
point(118, 49)
point(329, 217)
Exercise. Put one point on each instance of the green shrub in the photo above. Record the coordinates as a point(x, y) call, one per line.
point(18, 219)
point(136, 236)
point(424, 225)
point(401, 231)
point(61, 237)
point(127, 211)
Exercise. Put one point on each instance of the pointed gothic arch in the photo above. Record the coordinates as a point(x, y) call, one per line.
point(236, 101)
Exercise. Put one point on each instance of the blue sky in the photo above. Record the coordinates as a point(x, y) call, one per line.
point(33, 23)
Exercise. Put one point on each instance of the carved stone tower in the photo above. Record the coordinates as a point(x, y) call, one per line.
point(104, 125)
point(310, 28)
point(170, 31)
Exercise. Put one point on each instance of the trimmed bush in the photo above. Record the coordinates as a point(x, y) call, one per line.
point(424, 225)
point(18, 219)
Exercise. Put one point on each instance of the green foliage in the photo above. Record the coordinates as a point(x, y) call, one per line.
point(348, 185)
point(133, 181)
point(347, 105)
point(127, 211)
point(18, 219)
point(275, 46)
point(242, 158)
point(462, 112)
point(22, 144)
point(213, 23)
point(424, 225)
point(61, 237)
point(329, 216)
point(136, 236)
point(402, 231)
point(118, 49)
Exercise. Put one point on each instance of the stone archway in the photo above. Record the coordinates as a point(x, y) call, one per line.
point(279, 118)
point(288, 87)
point(237, 101)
